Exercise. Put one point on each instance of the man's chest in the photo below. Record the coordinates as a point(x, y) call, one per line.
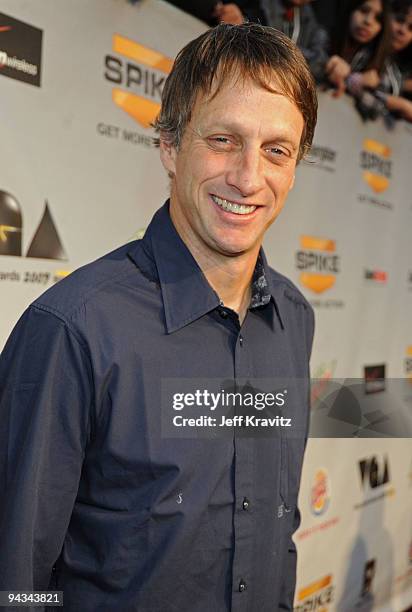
point(201, 405)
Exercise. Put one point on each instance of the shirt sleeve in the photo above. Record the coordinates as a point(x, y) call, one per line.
point(45, 399)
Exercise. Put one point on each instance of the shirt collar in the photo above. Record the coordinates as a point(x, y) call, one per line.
point(186, 293)
point(260, 288)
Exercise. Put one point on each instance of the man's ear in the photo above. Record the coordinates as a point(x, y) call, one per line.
point(292, 182)
point(168, 156)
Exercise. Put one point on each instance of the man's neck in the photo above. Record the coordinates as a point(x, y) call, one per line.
point(232, 281)
point(230, 276)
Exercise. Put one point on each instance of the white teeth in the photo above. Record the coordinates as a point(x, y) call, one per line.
point(239, 209)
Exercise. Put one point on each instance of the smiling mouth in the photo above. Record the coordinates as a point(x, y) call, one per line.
point(233, 207)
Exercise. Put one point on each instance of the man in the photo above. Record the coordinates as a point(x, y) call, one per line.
point(98, 500)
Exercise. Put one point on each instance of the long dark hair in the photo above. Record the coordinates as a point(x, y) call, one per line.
point(404, 57)
point(379, 46)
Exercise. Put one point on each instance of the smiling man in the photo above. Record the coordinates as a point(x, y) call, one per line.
point(231, 176)
point(99, 500)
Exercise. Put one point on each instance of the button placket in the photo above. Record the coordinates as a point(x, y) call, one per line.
point(244, 470)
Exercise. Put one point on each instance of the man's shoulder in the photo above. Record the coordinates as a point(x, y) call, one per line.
point(88, 283)
point(287, 289)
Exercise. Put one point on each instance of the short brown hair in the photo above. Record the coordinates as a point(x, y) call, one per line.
point(253, 52)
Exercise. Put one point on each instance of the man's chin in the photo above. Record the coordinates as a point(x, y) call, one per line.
point(236, 249)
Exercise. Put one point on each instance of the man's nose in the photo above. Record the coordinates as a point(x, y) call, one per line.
point(247, 173)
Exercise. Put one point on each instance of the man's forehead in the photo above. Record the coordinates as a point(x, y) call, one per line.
point(233, 87)
point(236, 78)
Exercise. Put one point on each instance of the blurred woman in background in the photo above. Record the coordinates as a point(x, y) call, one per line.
point(390, 95)
point(401, 42)
point(360, 45)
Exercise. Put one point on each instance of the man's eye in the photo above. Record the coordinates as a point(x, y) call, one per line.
point(221, 143)
point(220, 139)
point(276, 151)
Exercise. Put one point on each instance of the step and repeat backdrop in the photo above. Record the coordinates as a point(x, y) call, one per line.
point(80, 83)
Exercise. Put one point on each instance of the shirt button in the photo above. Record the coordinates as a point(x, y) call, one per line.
point(223, 314)
point(242, 586)
point(245, 504)
point(241, 340)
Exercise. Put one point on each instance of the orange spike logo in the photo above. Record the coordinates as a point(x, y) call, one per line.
point(141, 72)
point(318, 262)
point(377, 165)
point(316, 596)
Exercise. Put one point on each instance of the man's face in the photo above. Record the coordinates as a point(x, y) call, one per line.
point(234, 168)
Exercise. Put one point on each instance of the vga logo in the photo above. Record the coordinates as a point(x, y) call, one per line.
point(318, 263)
point(142, 82)
point(374, 472)
point(376, 164)
point(316, 597)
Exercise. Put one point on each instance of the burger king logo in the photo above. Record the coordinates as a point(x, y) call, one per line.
point(376, 164)
point(318, 263)
point(320, 493)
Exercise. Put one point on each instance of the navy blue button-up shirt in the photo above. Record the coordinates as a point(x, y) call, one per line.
point(95, 501)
